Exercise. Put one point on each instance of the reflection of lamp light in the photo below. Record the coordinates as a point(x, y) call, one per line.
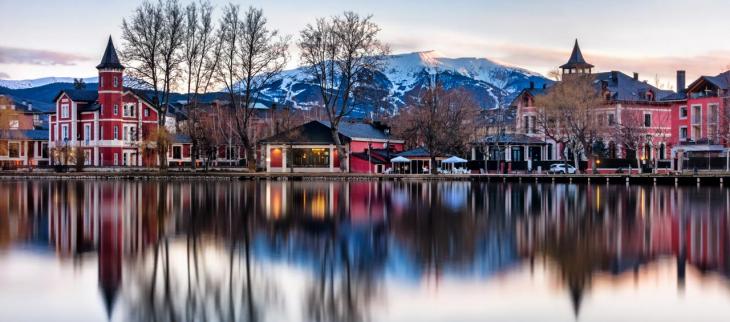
point(598, 161)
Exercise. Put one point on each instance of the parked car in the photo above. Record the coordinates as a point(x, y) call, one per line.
point(562, 168)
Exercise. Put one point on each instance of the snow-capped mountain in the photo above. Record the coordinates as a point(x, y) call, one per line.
point(30, 83)
point(400, 82)
point(492, 84)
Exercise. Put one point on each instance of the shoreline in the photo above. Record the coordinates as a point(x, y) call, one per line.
point(701, 178)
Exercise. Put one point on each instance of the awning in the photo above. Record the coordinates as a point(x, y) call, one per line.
point(454, 159)
point(399, 160)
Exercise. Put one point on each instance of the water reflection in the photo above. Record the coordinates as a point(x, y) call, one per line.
point(336, 251)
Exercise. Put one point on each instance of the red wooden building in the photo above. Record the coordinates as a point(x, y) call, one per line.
point(110, 124)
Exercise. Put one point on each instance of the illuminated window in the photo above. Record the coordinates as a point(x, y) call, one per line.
point(311, 158)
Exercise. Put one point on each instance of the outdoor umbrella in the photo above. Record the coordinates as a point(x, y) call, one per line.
point(453, 160)
point(400, 159)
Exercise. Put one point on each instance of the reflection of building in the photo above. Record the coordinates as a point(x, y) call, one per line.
point(311, 148)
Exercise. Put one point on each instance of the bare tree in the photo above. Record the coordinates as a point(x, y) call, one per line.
point(566, 115)
point(252, 56)
point(340, 53)
point(441, 121)
point(153, 38)
point(201, 54)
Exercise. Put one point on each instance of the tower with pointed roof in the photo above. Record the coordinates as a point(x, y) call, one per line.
point(576, 64)
point(111, 88)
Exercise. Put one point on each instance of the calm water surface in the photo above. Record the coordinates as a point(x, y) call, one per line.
point(362, 251)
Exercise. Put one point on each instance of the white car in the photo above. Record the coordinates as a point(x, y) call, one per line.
point(562, 168)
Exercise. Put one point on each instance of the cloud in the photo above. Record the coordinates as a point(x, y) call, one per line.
point(10, 55)
point(649, 67)
point(4, 75)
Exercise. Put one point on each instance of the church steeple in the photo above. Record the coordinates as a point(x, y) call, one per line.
point(576, 64)
point(110, 59)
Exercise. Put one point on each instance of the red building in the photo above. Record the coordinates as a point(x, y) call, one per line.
point(310, 148)
point(110, 124)
point(700, 117)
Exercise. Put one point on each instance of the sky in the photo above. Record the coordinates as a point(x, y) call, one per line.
point(42, 38)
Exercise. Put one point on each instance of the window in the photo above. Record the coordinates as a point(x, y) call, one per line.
point(64, 111)
point(647, 120)
point(128, 110)
point(683, 133)
point(526, 123)
point(44, 150)
point(601, 119)
point(116, 109)
point(101, 132)
point(14, 150)
point(14, 124)
point(116, 132)
point(116, 159)
point(696, 114)
point(116, 81)
point(611, 119)
point(682, 112)
point(177, 152)
point(146, 112)
point(101, 81)
point(87, 133)
point(311, 158)
point(64, 132)
point(714, 114)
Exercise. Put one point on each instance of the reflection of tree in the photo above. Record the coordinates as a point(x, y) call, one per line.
point(172, 284)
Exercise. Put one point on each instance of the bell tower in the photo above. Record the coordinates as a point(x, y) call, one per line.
point(576, 64)
point(111, 84)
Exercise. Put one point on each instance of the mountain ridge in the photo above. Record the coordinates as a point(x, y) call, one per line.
point(399, 83)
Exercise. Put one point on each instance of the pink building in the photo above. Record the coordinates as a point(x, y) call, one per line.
point(110, 124)
point(628, 102)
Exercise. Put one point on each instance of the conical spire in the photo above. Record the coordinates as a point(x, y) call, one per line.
point(110, 59)
point(576, 60)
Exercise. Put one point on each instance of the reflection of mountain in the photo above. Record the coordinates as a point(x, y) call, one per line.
point(162, 246)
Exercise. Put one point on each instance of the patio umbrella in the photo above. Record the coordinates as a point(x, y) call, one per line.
point(454, 160)
point(400, 159)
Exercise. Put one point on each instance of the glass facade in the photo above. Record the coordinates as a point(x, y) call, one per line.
point(310, 158)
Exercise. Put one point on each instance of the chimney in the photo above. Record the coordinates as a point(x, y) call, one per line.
point(681, 76)
point(636, 76)
point(532, 85)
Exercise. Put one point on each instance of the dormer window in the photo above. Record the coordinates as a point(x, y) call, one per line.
point(64, 111)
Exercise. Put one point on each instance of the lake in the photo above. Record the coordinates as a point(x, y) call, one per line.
point(362, 251)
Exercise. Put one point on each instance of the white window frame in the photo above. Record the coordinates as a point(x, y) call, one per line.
point(686, 133)
point(64, 111)
point(116, 159)
point(116, 132)
point(116, 109)
point(87, 133)
point(116, 81)
point(129, 110)
point(651, 121)
point(686, 112)
point(64, 132)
